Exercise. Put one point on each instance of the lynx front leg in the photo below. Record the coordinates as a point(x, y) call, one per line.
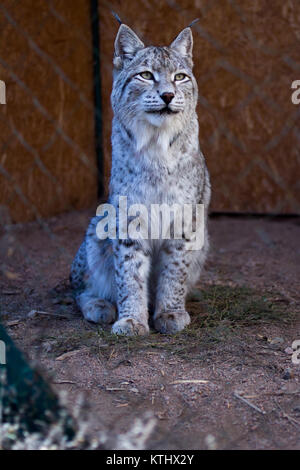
point(170, 315)
point(131, 274)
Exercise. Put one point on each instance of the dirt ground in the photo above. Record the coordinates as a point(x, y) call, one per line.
point(245, 317)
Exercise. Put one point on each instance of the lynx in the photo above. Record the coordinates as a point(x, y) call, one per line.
point(156, 159)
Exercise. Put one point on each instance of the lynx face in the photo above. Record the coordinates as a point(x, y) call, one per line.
point(155, 84)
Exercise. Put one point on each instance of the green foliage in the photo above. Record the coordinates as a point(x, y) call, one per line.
point(26, 397)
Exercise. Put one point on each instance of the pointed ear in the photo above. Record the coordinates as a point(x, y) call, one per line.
point(183, 44)
point(127, 44)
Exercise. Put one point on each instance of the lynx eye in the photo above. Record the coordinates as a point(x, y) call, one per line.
point(147, 75)
point(179, 77)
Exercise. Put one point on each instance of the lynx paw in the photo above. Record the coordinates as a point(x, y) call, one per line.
point(99, 311)
point(171, 322)
point(130, 327)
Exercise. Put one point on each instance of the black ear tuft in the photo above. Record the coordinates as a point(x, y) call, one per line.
point(193, 22)
point(117, 17)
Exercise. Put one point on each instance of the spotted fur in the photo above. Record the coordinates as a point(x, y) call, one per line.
point(156, 159)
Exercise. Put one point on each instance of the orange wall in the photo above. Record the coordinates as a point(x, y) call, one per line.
point(246, 58)
point(47, 155)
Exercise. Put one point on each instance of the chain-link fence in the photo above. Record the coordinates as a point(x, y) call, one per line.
point(246, 59)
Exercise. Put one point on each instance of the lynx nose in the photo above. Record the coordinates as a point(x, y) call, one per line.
point(167, 97)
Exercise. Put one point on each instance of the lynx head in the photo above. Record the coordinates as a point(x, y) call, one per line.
point(153, 84)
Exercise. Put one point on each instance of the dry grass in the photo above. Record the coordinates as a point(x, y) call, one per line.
point(217, 312)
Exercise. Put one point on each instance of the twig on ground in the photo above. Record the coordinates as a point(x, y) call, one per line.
point(239, 397)
point(64, 382)
point(187, 381)
point(70, 354)
point(293, 421)
point(12, 323)
point(11, 292)
point(35, 313)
